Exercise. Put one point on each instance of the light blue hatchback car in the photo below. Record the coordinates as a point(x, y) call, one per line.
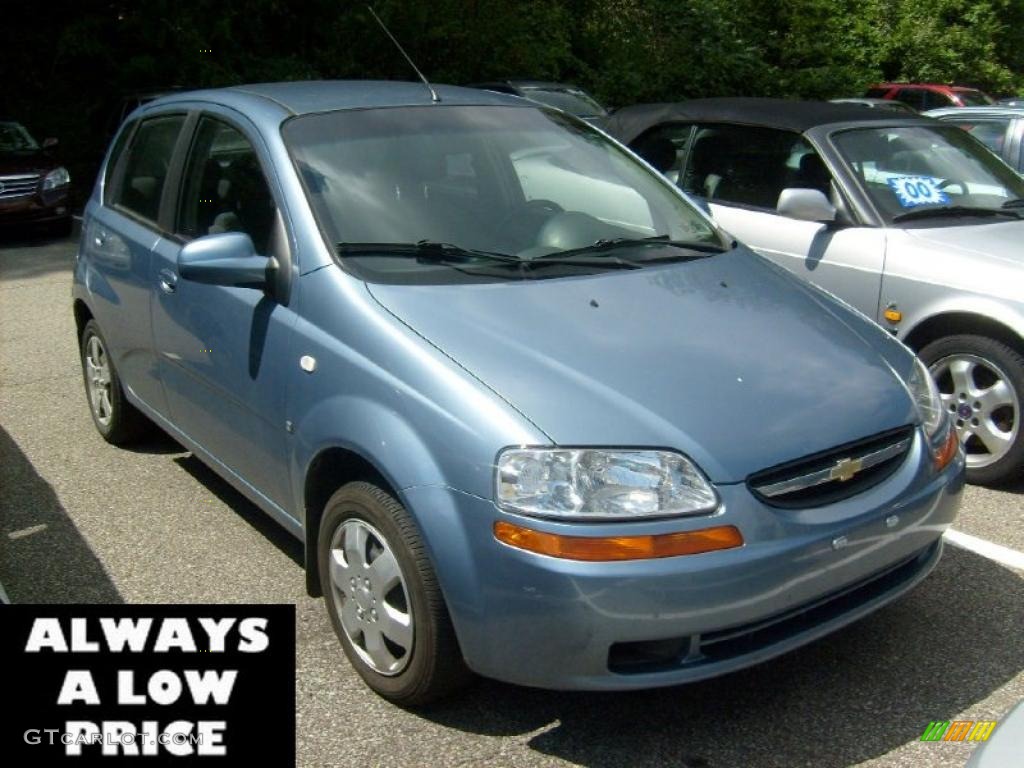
point(531, 412)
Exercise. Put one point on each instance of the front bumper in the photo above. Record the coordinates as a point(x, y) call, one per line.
point(38, 208)
point(552, 623)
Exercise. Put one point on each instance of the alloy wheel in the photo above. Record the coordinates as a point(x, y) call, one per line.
point(98, 380)
point(982, 402)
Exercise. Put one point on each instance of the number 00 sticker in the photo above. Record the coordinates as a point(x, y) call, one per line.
point(917, 190)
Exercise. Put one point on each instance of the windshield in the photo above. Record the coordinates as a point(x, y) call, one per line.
point(974, 98)
point(909, 168)
point(524, 183)
point(574, 102)
point(14, 138)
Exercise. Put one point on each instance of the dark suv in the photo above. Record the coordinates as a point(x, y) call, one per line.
point(34, 187)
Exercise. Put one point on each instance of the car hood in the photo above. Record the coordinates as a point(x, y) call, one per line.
point(727, 359)
point(25, 162)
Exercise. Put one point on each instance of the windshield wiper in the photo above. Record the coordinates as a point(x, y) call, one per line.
point(952, 210)
point(699, 249)
point(433, 252)
point(1017, 202)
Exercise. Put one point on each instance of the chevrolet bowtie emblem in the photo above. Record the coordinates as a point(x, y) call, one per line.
point(845, 469)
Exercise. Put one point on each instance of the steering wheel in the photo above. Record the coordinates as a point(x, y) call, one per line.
point(537, 206)
point(953, 182)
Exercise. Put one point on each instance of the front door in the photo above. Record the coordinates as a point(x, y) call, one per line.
point(223, 350)
point(741, 171)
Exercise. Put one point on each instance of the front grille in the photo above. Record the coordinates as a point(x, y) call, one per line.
point(833, 475)
point(746, 639)
point(18, 186)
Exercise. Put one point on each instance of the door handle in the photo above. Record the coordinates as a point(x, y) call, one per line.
point(168, 281)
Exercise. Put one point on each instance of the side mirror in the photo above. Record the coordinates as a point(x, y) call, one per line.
point(227, 258)
point(50, 143)
point(805, 205)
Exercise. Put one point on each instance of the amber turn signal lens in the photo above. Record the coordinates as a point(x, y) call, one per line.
point(604, 549)
point(947, 450)
point(893, 315)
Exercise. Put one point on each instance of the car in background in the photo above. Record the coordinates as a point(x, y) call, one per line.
point(34, 186)
point(893, 104)
point(925, 96)
point(999, 128)
point(557, 442)
point(912, 222)
point(1012, 101)
point(567, 98)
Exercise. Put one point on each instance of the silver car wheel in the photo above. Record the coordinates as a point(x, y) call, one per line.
point(98, 380)
point(984, 407)
point(370, 597)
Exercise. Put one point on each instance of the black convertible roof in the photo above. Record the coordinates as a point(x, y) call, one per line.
point(628, 123)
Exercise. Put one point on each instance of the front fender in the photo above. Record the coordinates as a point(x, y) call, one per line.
point(935, 301)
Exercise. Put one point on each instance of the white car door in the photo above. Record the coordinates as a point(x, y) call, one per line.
point(846, 261)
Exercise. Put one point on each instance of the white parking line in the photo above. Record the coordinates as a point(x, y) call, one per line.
point(1002, 555)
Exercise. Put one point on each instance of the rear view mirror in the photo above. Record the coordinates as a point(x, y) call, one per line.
point(805, 205)
point(228, 258)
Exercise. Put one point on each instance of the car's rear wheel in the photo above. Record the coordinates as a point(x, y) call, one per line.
point(383, 598)
point(117, 420)
point(981, 382)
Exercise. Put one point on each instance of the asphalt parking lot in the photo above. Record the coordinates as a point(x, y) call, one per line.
point(81, 521)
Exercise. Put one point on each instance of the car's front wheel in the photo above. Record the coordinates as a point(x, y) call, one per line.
point(117, 420)
point(981, 382)
point(383, 598)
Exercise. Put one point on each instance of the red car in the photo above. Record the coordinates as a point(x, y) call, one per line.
point(923, 96)
point(34, 187)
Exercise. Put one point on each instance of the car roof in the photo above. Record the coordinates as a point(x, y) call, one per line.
point(932, 86)
point(304, 97)
point(992, 110)
point(629, 122)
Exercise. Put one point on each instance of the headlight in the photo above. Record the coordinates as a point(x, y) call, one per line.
point(58, 177)
point(600, 484)
point(926, 397)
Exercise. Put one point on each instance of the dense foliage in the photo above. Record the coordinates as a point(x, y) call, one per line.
point(67, 64)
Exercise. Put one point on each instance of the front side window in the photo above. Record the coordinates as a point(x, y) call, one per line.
point(523, 183)
point(740, 165)
point(146, 166)
point(224, 189)
point(920, 168)
point(15, 138)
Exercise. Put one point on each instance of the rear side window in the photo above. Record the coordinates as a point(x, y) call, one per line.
point(915, 97)
point(224, 189)
point(665, 148)
point(876, 93)
point(991, 133)
point(115, 158)
point(146, 166)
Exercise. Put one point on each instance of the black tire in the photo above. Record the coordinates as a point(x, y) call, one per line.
point(125, 423)
point(434, 667)
point(1010, 362)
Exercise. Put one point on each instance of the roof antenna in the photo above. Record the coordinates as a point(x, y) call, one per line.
point(433, 94)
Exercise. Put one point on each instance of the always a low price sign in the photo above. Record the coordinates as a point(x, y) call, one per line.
point(155, 685)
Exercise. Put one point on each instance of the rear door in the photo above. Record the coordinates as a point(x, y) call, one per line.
point(223, 350)
point(119, 240)
point(742, 170)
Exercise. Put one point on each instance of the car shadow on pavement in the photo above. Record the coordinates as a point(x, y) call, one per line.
point(849, 697)
point(265, 525)
point(27, 254)
point(43, 556)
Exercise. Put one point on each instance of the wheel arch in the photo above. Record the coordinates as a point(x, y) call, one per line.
point(82, 316)
point(956, 322)
point(330, 469)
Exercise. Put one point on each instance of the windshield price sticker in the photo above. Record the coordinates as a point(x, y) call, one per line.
point(912, 191)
